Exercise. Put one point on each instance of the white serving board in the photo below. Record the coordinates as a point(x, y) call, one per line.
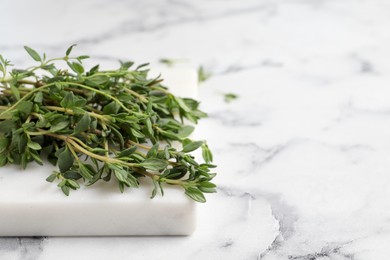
point(30, 206)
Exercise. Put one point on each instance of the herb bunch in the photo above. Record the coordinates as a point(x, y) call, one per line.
point(100, 125)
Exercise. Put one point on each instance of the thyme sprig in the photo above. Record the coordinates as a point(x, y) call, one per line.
point(100, 125)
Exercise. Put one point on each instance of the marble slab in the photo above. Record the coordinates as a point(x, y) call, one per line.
point(30, 206)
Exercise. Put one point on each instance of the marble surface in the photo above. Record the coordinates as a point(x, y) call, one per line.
point(302, 154)
point(100, 209)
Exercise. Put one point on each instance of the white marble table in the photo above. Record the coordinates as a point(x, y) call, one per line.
point(304, 152)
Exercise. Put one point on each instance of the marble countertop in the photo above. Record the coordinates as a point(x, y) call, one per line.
point(303, 153)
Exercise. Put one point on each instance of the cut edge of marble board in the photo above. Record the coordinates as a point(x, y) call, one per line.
point(30, 206)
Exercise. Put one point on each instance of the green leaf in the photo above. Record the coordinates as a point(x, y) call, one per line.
point(192, 146)
point(195, 194)
point(38, 97)
point(84, 171)
point(154, 164)
point(68, 101)
point(58, 127)
point(203, 75)
point(34, 145)
point(83, 124)
point(180, 102)
point(76, 67)
point(153, 151)
point(69, 50)
point(137, 133)
point(126, 65)
point(111, 108)
point(82, 57)
point(34, 154)
point(3, 161)
point(149, 127)
point(97, 80)
point(119, 172)
point(127, 152)
point(73, 184)
point(185, 131)
point(166, 153)
point(119, 136)
point(52, 177)
point(15, 92)
point(4, 142)
point(229, 97)
point(6, 126)
point(33, 53)
point(25, 107)
point(206, 154)
point(65, 160)
point(65, 189)
point(154, 191)
point(207, 187)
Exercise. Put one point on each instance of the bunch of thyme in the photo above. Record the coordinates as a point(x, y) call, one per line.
point(100, 125)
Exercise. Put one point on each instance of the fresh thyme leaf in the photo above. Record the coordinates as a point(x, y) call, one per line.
point(33, 53)
point(83, 125)
point(192, 146)
point(101, 125)
point(154, 164)
point(195, 194)
point(69, 50)
point(65, 160)
point(229, 97)
point(203, 75)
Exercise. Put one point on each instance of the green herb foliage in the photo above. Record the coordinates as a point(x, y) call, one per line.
point(229, 97)
point(100, 125)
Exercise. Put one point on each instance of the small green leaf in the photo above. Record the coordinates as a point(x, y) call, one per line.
point(52, 177)
point(120, 173)
point(153, 151)
point(83, 124)
point(166, 153)
point(3, 161)
point(65, 189)
point(6, 126)
point(185, 131)
point(229, 97)
point(73, 184)
point(154, 191)
point(149, 127)
point(207, 187)
point(15, 92)
point(4, 142)
point(97, 80)
point(127, 152)
point(137, 133)
point(180, 102)
point(34, 145)
point(65, 160)
point(69, 50)
point(111, 108)
point(192, 146)
point(38, 97)
point(68, 101)
point(195, 194)
point(154, 164)
point(25, 107)
point(203, 75)
point(206, 154)
point(33, 53)
point(58, 127)
point(76, 67)
point(84, 171)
